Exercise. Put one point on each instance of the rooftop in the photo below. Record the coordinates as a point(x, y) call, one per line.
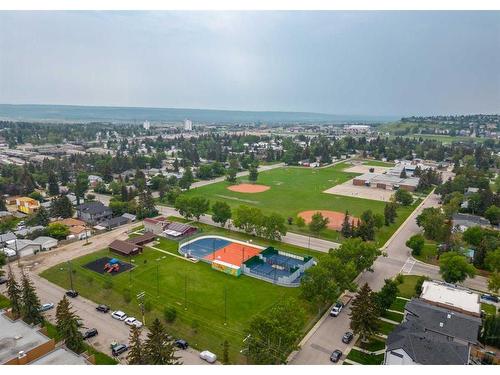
point(452, 297)
point(61, 356)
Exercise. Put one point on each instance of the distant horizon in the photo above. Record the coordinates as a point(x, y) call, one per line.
point(366, 63)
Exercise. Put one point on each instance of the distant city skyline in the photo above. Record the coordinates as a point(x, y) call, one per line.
point(348, 63)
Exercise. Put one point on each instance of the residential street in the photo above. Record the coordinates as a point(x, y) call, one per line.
point(317, 348)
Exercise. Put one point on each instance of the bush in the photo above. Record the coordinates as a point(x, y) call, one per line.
point(170, 313)
point(399, 278)
point(418, 285)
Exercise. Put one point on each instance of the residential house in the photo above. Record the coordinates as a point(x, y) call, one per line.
point(27, 205)
point(155, 225)
point(77, 229)
point(130, 217)
point(114, 222)
point(24, 248)
point(94, 180)
point(93, 213)
point(452, 297)
point(461, 222)
point(432, 335)
point(27, 231)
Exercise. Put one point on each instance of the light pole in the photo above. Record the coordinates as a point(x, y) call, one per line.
point(140, 298)
point(70, 275)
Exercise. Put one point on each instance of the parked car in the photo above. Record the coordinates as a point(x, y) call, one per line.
point(120, 315)
point(208, 356)
point(90, 333)
point(46, 307)
point(102, 308)
point(119, 349)
point(3, 280)
point(181, 344)
point(72, 293)
point(489, 297)
point(336, 355)
point(347, 338)
point(131, 321)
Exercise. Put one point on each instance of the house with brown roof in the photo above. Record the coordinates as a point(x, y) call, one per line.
point(124, 248)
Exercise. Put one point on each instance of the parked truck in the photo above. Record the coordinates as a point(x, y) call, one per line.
point(339, 305)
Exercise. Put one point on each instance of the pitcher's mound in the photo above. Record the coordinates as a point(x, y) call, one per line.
point(248, 188)
point(335, 218)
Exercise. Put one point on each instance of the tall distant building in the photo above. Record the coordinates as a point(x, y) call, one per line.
point(146, 125)
point(188, 125)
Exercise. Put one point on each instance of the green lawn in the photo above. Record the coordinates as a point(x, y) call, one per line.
point(385, 327)
point(4, 302)
point(407, 288)
point(429, 253)
point(296, 189)
point(365, 359)
point(374, 344)
point(195, 290)
point(489, 309)
point(378, 163)
point(399, 305)
point(395, 317)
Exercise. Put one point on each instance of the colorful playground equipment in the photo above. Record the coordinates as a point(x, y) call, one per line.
point(112, 266)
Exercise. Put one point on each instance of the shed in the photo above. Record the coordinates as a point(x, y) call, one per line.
point(124, 247)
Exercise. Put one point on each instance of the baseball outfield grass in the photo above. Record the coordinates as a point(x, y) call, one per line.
point(297, 189)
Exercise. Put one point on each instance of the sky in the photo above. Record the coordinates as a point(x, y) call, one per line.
point(350, 63)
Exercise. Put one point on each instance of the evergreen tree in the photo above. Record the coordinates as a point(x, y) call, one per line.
point(346, 229)
point(67, 326)
point(81, 186)
point(146, 205)
point(42, 217)
point(61, 207)
point(3, 207)
point(364, 313)
point(157, 351)
point(253, 173)
point(14, 294)
point(30, 310)
point(390, 213)
point(187, 179)
point(135, 354)
point(53, 187)
point(124, 193)
point(231, 175)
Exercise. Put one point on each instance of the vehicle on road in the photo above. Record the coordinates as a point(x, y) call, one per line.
point(489, 297)
point(90, 333)
point(102, 308)
point(3, 280)
point(208, 356)
point(120, 315)
point(131, 321)
point(347, 338)
point(335, 356)
point(72, 293)
point(119, 349)
point(181, 344)
point(340, 304)
point(46, 307)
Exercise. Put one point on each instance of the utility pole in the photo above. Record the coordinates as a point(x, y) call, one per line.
point(140, 298)
point(70, 275)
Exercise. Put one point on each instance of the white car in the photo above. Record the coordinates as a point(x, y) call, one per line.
point(46, 307)
point(131, 321)
point(208, 356)
point(120, 315)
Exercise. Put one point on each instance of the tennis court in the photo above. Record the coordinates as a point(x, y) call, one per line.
point(201, 247)
point(234, 253)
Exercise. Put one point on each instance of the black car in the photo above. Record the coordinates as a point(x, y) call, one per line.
point(488, 297)
point(119, 349)
point(72, 293)
point(336, 355)
point(347, 338)
point(90, 333)
point(102, 308)
point(3, 280)
point(181, 344)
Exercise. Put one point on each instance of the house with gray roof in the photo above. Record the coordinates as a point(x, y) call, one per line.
point(462, 222)
point(432, 335)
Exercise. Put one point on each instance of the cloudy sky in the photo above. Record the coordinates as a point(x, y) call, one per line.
point(363, 63)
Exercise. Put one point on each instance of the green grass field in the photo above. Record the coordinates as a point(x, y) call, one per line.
point(364, 358)
point(378, 163)
point(297, 189)
point(197, 292)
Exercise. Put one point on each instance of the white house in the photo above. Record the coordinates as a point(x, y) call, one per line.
point(24, 248)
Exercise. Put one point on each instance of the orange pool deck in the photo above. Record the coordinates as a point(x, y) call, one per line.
point(234, 253)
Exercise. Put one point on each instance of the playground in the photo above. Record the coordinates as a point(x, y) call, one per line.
point(237, 257)
point(335, 219)
point(112, 266)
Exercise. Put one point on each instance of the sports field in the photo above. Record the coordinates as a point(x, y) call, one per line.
point(297, 189)
point(204, 298)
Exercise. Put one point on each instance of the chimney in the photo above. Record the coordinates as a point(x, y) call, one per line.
point(441, 324)
point(22, 358)
point(449, 316)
